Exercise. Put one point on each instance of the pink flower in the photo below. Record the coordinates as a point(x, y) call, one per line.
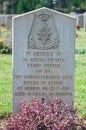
point(77, 27)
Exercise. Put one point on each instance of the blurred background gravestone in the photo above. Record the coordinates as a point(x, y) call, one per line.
point(81, 20)
point(85, 21)
point(7, 20)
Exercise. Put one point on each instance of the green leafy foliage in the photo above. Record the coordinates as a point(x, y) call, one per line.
point(22, 6)
point(6, 36)
point(28, 5)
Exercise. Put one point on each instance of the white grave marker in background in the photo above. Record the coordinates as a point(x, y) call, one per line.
point(85, 22)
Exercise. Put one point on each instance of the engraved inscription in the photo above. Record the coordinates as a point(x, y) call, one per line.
point(43, 81)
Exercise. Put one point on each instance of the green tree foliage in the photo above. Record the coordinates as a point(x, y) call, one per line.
point(61, 3)
point(22, 6)
point(78, 5)
point(46, 3)
point(28, 5)
point(83, 5)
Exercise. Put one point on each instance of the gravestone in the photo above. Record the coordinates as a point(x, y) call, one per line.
point(81, 20)
point(7, 20)
point(85, 21)
point(74, 14)
point(43, 56)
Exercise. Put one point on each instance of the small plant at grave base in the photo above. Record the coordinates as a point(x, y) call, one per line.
point(6, 40)
point(78, 27)
point(52, 115)
point(7, 48)
point(1, 41)
point(1, 44)
point(3, 25)
point(7, 45)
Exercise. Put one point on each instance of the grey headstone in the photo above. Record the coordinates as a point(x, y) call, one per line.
point(81, 20)
point(43, 56)
point(85, 21)
point(7, 20)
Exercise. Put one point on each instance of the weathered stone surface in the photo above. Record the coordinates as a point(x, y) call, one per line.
point(7, 20)
point(43, 56)
point(81, 20)
point(85, 21)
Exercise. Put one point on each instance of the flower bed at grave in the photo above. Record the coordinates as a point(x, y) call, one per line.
point(80, 124)
point(54, 115)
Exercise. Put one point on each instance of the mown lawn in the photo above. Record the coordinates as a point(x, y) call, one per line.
point(80, 73)
point(5, 84)
point(81, 39)
point(80, 79)
point(80, 84)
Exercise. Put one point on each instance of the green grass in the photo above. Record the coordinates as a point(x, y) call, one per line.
point(80, 84)
point(81, 39)
point(5, 85)
point(80, 73)
point(80, 79)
